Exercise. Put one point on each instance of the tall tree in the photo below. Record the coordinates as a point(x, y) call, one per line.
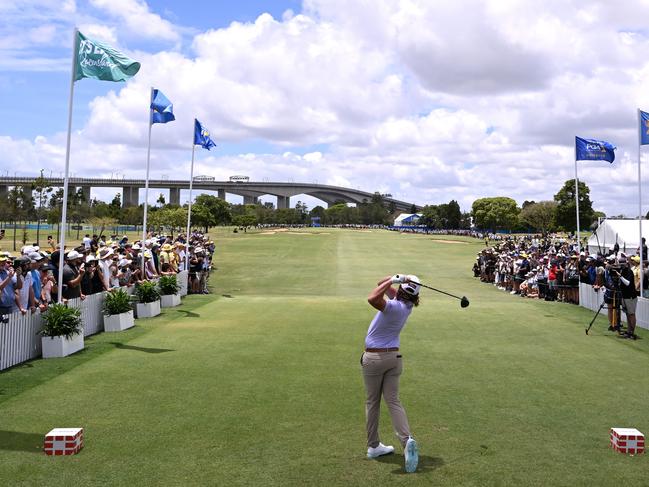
point(209, 211)
point(19, 202)
point(566, 212)
point(499, 213)
point(540, 216)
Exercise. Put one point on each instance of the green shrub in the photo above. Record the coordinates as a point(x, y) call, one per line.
point(168, 285)
point(147, 292)
point(117, 302)
point(59, 320)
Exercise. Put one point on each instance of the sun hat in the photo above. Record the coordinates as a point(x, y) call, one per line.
point(90, 258)
point(635, 259)
point(73, 254)
point(167, 247)
point(412, 287)
point(124, 262)
point(35, 256)
point(106, 252)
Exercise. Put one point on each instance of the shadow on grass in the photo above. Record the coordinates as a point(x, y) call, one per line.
point(426, 463)
point(188, 314)
point(18, 441)
point(121, 346)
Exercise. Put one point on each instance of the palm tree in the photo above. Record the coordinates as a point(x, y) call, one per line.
point(43, 189)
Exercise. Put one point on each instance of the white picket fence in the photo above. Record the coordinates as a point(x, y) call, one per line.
point(19, 341)
point(592, 299)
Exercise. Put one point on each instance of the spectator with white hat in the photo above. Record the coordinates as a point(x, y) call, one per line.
point(104, 264)
point(73, 271)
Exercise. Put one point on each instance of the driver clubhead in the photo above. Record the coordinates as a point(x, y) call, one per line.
point(464, 302)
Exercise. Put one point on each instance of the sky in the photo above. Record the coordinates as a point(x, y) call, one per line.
point(428, 100)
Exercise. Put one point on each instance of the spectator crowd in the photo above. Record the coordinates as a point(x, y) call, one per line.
point(552, 269)
point(29, 281)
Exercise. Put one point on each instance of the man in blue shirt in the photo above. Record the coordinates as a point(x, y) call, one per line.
point(36, 264)
point(7, 288)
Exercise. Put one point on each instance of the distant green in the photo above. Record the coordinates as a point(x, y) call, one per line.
point(258, 384)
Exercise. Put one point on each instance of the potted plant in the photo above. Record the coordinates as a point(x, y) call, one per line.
point(169, 289)
point(118, 311)
point(62, 332)
point(148, 299)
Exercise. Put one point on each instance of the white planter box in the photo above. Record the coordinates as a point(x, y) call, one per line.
point(61, 346)
point(120, 322)
point(148, 310)
point(170, 300)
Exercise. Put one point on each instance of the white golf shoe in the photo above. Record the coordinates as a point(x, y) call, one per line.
point(379, 451)
point(411, 452)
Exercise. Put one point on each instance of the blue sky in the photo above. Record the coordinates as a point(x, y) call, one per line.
point(428, 100)
point(26, 93)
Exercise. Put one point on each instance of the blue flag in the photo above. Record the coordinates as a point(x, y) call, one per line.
point(594, 150)
point(644, 128)
point(202, 136)
point(162, 109)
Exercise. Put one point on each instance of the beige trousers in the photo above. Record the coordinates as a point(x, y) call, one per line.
point(381, 372)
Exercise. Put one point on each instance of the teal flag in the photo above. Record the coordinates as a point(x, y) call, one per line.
point(100, 61)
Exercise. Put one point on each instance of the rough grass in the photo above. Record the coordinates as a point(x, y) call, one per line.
point(259, 384)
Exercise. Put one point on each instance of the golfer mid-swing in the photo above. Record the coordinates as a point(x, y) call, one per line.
point(382, 366)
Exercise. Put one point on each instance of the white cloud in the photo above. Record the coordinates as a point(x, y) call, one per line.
point(137, 17)
point(427, 100)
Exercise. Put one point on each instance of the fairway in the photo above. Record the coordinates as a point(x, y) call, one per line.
point(259, 384)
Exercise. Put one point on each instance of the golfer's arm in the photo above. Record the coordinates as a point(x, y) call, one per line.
point(390, 291)
point(376, 298)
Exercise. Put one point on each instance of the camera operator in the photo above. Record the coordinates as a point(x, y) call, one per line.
point(612, 293)
point(629, 296)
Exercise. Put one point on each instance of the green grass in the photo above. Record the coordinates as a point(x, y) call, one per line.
point(259, 384)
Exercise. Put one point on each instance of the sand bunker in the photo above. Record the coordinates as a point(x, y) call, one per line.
point(449, 241)
point(273, 232)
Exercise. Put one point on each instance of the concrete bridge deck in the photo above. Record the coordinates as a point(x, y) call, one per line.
point(250, 191)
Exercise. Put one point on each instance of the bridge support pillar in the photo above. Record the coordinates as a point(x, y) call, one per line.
point(250, 200)
point(283, 202)
point(130, 196)
point(221, 194)
point(174, 196)
point(4, 189)
point(85, 190)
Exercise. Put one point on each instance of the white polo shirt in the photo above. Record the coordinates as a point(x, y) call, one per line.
point(387, 324)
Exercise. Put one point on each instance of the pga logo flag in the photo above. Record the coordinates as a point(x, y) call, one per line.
point(594, 150)
point(644, 128)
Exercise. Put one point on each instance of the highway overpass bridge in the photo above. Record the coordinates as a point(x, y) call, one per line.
point(250, 190)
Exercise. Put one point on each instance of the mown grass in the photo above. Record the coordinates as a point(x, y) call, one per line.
point(259, 383)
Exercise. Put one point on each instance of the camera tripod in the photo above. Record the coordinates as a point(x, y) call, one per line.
point(617, 305)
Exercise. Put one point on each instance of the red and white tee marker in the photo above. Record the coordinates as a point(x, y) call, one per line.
point(627, 440)
point(63, 441)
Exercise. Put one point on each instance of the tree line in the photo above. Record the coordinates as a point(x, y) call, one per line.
point(40, 202)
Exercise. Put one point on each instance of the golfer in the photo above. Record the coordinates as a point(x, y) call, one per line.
point(382, 365)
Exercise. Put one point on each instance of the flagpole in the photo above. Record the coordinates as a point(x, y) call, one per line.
point(189, 209)
point(640, 201)
point(577, 200)
point(146, 186)
point(64, 212)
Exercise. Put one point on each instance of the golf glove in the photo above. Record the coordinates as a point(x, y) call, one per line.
point(398, 279)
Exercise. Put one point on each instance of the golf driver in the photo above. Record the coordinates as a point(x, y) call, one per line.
point(464, 302)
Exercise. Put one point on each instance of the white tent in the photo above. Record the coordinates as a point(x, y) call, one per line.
point(407, 219)
point(624, 232)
